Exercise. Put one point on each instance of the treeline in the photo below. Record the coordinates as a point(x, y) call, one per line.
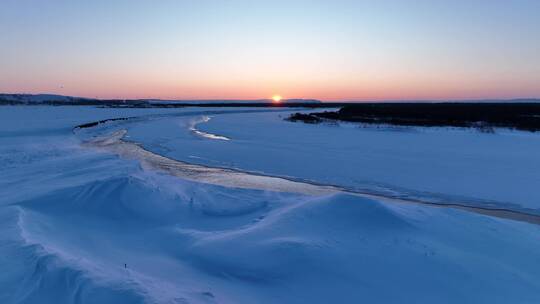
point(485, 116)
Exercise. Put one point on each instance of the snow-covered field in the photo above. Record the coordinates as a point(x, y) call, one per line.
point(80, 223)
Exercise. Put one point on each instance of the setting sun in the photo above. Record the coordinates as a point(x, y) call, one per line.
point(277, 98)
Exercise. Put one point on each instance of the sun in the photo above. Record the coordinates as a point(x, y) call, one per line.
point(277, 98)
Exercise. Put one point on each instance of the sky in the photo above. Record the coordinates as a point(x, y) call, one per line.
point(228, 49)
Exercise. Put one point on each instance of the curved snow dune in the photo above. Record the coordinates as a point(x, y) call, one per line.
point(35, 273)
point(238, 179)
point(186, 242)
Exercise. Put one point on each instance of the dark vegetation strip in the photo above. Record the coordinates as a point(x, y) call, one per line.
point(96, 123)
point(484, 116)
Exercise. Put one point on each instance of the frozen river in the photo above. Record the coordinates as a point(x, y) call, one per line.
point(436, 165)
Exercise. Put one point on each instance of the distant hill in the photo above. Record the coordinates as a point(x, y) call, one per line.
point(38, 98)
point(59, 100)
point(51, 99)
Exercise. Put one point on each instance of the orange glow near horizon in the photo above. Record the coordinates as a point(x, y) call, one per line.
point(359, 89)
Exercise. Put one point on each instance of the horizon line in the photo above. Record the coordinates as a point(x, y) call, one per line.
point(286, 99)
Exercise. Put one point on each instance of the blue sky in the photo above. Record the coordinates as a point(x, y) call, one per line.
point(332, 50)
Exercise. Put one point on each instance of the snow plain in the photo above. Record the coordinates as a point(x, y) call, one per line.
point(83, 225)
